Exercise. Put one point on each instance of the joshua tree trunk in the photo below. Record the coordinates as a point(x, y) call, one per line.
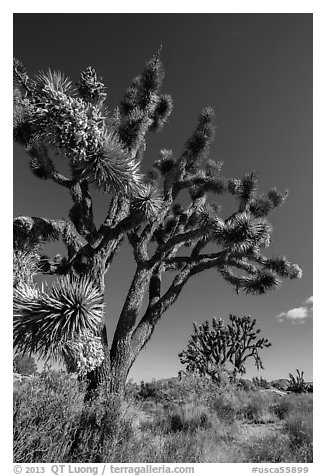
point(113, 371)
point(123, 352)
point(120, 366)
point(130, 337)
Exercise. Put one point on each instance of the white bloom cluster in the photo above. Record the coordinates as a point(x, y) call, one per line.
point(90, 87)
point(89, 353)
point(235, 186)
point(72, 125)
point(296, 272)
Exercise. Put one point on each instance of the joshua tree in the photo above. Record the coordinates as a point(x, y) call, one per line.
point(298, 384)
point(209, 351)
point(104, 149)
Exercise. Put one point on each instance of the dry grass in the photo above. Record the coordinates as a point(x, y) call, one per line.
point(191, 421)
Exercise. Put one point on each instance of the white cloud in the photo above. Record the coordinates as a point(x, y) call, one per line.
point(298, 314)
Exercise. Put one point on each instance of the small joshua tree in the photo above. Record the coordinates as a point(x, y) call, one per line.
point(210, 350)
point(297, 384)
point(104, 149)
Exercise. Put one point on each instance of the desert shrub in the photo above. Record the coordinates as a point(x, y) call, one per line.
point(260, 407)
point(24, 364)
point(45, 417)
point(290, 403)
point(228, 404)
point(131, 389)
point(272, 448)
point(151, 390)
point(190, 419)
point(283, 407)
point(252, 405)
point(280, 384)
point(52, 423)
point(292, 445)
point(299, 428)
point(294, 442)
point(245, 384)
point(191, 387)
point(260, 382)
point(101, 430)
point(310, 387)
point(180, 417)
point(181, 447)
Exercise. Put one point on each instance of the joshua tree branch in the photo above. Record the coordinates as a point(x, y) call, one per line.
point(155, 287)
point(145, 327)
point(108, 234)
point(40, 153)
point(81, 213)
point(131, 307)
point(36, 230)
point(209, 261)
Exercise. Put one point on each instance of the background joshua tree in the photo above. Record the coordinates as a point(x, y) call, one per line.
point(168, 235)
point(210, 350)
point(297, 384)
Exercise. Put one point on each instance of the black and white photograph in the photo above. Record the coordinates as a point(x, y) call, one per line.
point(162, 239)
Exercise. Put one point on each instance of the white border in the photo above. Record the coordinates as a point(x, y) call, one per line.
point(60, 6)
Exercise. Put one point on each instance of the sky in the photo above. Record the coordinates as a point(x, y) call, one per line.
point(255, 70)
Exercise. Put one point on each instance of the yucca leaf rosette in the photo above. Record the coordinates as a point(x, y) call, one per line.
point(111, 165)
point(45, 319)
point(148, 202)
point(51, 82)
point(244, 231)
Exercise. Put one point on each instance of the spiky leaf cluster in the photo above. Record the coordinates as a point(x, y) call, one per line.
point(22, 118)
point(211, 349)
point(198, 144)
point(143, 107)
point(262, 205)
point(162, 112)
point(110, 167)
point(147, 203)
point(282, 266)
point(46, 319)
point(243, 233)
point(29, 232)
point(144, 87)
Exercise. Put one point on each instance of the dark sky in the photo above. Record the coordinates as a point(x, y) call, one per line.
point(255, 70)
